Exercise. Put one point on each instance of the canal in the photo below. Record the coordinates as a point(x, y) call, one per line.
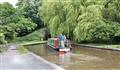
point(81, 58)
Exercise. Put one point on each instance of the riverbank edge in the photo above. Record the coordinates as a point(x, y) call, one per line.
point(108, 47)
point(97, 47)
point(22, 44)
point(32, 43)
point(48, 62)
point(3, 47)
point(38, 57)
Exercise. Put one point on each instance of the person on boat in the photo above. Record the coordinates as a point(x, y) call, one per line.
point(47, 33)
point(69, 43)
point(61, 38)
point(65, 41)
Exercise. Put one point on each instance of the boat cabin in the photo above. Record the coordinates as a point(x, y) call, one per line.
point(56, 44)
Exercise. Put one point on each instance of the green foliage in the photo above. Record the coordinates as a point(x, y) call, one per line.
point(6, 10)
point(13, 23)
point(35, 36)
point(97, 31)
point(2, 39)
point(60, 17)
point(29, 9)
point(22, 49)
point(25, 26)
point(83, 20)
point(112, 10)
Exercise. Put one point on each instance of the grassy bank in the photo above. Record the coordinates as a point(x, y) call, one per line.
point(32, 43)
point(102, 46)
point(32, 37)
point(109, 46)
point(3, 49)
point(35, 37)
point(22, 49)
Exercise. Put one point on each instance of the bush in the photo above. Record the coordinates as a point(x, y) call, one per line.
point(97, 31)
point(2, 39)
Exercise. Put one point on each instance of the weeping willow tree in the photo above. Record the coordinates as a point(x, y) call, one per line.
point(82, 20)
point(61, 16)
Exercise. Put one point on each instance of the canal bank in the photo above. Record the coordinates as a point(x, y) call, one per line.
point(13, 60)
point(32, 43)
point(102, 47)
point(3, 48)
point(94, 46)
point(81, 58)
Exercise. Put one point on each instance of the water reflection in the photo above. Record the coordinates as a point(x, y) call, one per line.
point(64, 58)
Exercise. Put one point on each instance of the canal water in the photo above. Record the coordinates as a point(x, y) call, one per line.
point(81, 58)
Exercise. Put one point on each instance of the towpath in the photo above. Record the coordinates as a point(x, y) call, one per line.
point(13, 60)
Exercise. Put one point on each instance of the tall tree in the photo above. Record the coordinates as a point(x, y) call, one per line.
point(29, 8)
point(82, 20)
point(6, 11)
point(13, 24)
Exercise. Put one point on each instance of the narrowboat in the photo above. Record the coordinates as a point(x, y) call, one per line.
point(56, 44)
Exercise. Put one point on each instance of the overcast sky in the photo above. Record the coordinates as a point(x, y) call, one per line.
point(13, 2)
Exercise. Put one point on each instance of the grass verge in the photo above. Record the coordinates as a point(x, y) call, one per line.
point(32, 43)
point(3, 49)
point(34, 36)
point(22, 49)
point(103, 46)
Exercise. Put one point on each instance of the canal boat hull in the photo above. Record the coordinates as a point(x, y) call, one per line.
point(64, 49)
point(55, 44)
point(60, 49)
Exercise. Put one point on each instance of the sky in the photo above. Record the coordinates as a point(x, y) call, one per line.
point(13, 2)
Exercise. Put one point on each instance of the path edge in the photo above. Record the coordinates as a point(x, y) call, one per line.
point(48, 62)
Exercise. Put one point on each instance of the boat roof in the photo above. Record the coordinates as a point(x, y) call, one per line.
point(53, 38)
